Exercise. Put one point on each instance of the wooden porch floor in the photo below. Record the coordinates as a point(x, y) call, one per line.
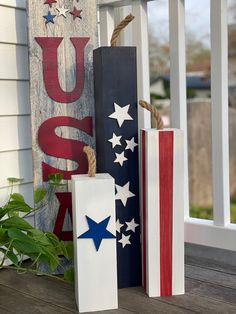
point(210, 288)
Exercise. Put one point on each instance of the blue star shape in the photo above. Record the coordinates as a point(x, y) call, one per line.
point(49, 18)
point(97, 231)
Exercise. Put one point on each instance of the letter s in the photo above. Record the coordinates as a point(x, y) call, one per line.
point(53, 145)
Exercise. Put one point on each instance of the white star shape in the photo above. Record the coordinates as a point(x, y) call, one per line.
point(120, 158)
point(62, 11)
point(120, 114)
point(115, 140)
point(118, 226)
point(123, 193)
point(125, 240)
point(131, 225)
point(130, 144)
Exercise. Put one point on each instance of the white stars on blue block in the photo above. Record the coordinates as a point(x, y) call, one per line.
point(131, 225)
point(127, 233)
point(118, 226)
point(115, 140)
point(125, 240)
point(120, 158)
point(130, 144)
point(120, 114)
point(123, 193)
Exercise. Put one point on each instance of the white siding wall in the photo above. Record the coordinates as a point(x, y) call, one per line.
point(15, 129)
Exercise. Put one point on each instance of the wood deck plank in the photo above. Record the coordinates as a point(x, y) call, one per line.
point(40, 287)
point(211, 276)
point(137, 301)
point(21, 303)
point(210, 288)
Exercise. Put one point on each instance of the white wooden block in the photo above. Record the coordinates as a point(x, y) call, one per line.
point(95, 271)
point(163, 211)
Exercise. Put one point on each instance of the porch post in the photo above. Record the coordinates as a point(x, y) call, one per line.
point(219, 96)
point(178, 82)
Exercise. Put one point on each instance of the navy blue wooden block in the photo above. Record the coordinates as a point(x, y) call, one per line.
point(115, 74)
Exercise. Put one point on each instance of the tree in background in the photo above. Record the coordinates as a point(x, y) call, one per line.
point(197, 52)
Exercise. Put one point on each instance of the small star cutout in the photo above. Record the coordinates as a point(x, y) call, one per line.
point(76, 13)
point(50, 2)
point(123, 193)
point(131, 225)
point(115, 140)
point(125, 240)
point(121, 114)
point(62, 11)
point(131, 144)
point(120, 158)
point(97, 231)
point(49, 18)
point(118, 226)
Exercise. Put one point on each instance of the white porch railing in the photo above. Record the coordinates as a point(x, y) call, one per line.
point(219, 232)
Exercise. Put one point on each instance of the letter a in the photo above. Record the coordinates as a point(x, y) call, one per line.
point(50, 46)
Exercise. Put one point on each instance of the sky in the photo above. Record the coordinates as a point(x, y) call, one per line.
point(197, 18)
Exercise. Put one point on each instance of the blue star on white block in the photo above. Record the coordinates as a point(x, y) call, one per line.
point(130, 144)
point(120, 158)
point(115, 140)
point(131, 225)
point(97, 231)
point(125, 240)
point(49, 18)
point(120, 114)
point(123, 193)
point(118, 225)
point(62, 11)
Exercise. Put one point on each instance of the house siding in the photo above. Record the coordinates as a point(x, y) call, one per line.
point(15, 127)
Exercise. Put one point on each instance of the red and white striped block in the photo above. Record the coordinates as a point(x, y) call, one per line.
point(163, 212)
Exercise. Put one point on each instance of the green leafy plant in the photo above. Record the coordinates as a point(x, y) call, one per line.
point(19, 239)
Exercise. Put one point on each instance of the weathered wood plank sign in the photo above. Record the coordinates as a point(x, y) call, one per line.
point(62, 36)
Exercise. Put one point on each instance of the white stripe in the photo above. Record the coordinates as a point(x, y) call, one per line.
point(153, 213)
point(96, 281)
point(178, 215)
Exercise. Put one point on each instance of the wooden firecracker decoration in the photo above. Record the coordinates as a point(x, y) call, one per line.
point(62, 36)
point(162, 154)
point(94, 232)
point(117, 146)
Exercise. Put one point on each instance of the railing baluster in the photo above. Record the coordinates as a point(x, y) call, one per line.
point(219, 96)
point(140, 40)
point(178, 81)
point(106, 24)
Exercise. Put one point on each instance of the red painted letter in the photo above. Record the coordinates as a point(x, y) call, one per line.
point(53, 145)
point(65, 204)
point(49, 46)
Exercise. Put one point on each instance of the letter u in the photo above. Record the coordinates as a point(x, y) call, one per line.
point(50, 46)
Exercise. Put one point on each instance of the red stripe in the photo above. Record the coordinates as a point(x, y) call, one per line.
point(166, 205)
point(144, 208)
